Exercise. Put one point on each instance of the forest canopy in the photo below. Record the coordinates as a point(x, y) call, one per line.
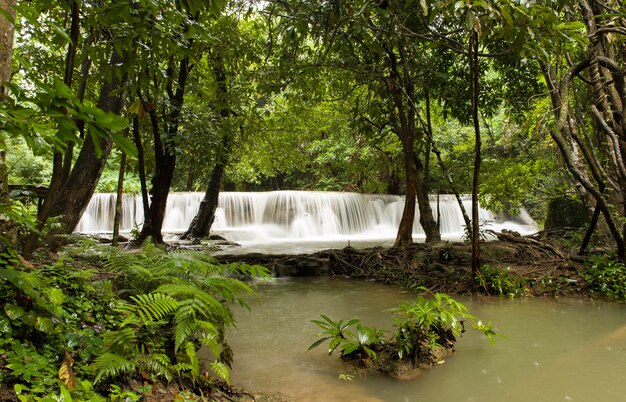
point(517, 103)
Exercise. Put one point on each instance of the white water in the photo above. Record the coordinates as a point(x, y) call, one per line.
point(292, 216)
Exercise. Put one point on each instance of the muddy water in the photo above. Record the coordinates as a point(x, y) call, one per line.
point(554, 350)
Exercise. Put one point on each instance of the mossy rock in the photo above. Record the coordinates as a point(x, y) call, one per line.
point(566, 212)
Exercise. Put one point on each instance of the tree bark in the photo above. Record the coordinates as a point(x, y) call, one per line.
point(202, 222)
point(141, 162)
point(428, 222)
point(473, 54)
point(81, 184)
point(165, 158)
point(117, 218)
point(7, 230)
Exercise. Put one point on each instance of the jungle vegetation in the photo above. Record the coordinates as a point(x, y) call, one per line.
point(518, 103)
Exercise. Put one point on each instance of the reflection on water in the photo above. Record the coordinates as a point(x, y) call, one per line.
point(554, 350)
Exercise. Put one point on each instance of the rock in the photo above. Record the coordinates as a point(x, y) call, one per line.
point(566, 212)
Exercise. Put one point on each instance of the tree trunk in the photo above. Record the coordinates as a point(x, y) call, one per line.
point(60, 169)
point(81, 184)
point(7, 230)
point(473, 54)
point(141, 162)
point(428, 222)
point(405, 228)
point(202, 222)
point(118, 201)
point(165, 158)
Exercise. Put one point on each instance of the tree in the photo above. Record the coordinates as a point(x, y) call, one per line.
point(6, 52)
point(586, 41)
point(369, 44)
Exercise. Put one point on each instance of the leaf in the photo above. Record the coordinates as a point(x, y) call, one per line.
point(66, 374)
point(7, 15)
point(318, 342)
point(126, 145)
point(56, 296)
point(61, 32)
point(13, 312)
point(44, 324)
point(221, 370)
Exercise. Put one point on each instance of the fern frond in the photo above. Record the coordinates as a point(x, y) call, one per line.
point(154, 306)
point(228, 288)
point(157, 364)
point(109, 365)
point(194, 361)
point(204, 304)
point(208, 339)
point(220, 370)
point(124, 339)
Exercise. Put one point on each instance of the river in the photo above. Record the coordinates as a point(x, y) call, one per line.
point(551, 350)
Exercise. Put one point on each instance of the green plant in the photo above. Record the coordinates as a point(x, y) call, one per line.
point(483, 229)
point(99, 316)
point(606, 277)
point(424, 326)
point(500, 281)
point(176, 303)
point(343, 338)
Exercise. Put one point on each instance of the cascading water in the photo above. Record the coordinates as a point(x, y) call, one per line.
point(282, 216)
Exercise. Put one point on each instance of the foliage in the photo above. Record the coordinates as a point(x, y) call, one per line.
point(349, 343)
point(424, 326)
point(500, 281)
point(606, 277)
point(483, 230)
point(86, 324)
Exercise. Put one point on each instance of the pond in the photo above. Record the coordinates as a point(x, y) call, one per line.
point(552, 350)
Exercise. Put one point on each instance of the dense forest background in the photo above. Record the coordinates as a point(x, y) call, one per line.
point(518, 103)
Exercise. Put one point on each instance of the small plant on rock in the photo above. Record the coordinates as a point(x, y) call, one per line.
point(426, 330)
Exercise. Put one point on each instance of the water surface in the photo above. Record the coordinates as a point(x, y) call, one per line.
point(554, 350)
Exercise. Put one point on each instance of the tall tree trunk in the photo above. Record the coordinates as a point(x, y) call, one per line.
point(202, 222)
point(141, 162)
point(402, 119)
point(81, 184)
point(428, 222)
point(405, 228)
point(473, 55)
point(7, 230)
point(117, 218)
point(165, 158)
point(59, 168)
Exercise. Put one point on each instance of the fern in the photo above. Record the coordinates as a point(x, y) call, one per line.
point(112, 365)
point(186, 327)
point(203, 304)
point(124, 339)
point(221, 370)
point(154, 306)
point(157, 364)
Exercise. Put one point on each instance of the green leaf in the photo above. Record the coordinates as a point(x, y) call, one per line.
point(13, 312)
point(44, 324)
point(126, 145)
point(318, 342)
point(56, 296)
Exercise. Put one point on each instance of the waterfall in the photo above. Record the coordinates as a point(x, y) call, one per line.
point(291, 215)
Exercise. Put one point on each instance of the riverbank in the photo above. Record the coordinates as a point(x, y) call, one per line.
point(509, 267)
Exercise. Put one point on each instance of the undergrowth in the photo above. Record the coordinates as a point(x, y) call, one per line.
point(98, 320)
